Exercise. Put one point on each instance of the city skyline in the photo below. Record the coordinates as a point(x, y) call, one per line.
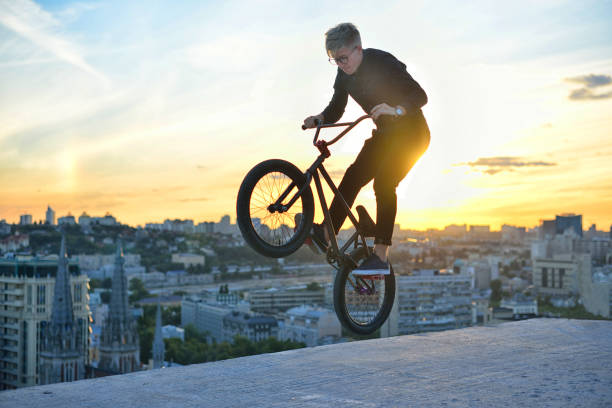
point(232, 219)
point(159, 111)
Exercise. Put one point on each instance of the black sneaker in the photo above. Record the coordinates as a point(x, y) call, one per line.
point(372, 266)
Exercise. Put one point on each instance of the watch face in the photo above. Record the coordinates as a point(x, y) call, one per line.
point(398, 111)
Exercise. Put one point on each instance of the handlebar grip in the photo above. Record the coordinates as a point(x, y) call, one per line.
point(317, 123)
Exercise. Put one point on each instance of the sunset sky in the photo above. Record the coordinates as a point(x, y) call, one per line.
point(157, 109)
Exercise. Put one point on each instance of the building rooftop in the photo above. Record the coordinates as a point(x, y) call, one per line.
point(538, 362)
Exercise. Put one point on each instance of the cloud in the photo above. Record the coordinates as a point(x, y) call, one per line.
point(28, 20)
point(494, 165)
point(584, 94)
point(592, 80)
point(589, 81)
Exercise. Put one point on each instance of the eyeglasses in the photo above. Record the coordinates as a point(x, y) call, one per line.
point(343, 59)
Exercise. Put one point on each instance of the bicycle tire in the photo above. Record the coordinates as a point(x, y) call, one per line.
point(347, 318)
point(272, 236)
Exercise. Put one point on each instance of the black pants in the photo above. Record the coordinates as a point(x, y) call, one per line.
point(386, 157)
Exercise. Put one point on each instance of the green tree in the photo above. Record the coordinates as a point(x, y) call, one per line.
point(138, 290)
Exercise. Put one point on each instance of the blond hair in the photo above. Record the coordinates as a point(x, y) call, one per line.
point(342, 35)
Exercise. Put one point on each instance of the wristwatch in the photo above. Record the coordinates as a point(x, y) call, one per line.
point(399, 111)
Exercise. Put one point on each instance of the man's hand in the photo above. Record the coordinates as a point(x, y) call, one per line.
point(382, 109)
point(309, 122)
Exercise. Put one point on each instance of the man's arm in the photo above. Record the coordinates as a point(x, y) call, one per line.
point(335, 109)
point(414, 97)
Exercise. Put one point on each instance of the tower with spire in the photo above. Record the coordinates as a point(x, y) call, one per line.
point(62, 356)
point(159, 348)
point(119, 344)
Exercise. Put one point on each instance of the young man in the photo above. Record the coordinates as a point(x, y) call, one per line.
point(380, 84)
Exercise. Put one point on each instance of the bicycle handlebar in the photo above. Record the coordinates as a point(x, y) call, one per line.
point(350, 125)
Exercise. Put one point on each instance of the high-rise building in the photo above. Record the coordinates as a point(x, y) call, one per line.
point(63, 351)
point(560, 274)
point(159, 349)
point(27, 290)
point(119, 343)
point(567, 221)
point(549, 228)
point(431, 301)
point(50, 216)
point(25, 219)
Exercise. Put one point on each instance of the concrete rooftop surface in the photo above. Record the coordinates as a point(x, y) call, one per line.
point(538, 362)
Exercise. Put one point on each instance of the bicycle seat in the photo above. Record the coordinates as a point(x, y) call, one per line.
point(366, 224)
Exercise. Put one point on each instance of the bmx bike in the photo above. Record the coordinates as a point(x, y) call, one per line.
point(275, 211)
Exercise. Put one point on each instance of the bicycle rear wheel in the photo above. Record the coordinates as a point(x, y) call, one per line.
point(267, 230)
point(362, 305)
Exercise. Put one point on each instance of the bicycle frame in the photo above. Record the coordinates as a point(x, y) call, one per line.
point(337, 254)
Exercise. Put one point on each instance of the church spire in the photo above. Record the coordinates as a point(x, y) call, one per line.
point(119, 306)
point(119, 344)
point(62, 313)
point(62, 356)
point(158, 340)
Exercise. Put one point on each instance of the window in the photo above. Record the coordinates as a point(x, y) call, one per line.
point(77, 293)
point(544, 277)
point(561, 275)
point(552, 278)
point(40, 295)
point(29, 294)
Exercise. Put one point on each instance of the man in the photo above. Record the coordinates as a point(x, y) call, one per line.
point(380, 84)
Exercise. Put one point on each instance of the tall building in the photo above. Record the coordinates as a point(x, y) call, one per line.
point(119, 343)
point(560, 274)
point(63, 355)
point(430, 301)
point(25, 219)
point(548, 229)
point(567, 221)
point(26, 301)
point(159, 349)
point(50, 216)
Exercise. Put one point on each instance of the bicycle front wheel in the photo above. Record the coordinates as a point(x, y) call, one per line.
point(362, 304)
point(267, 222)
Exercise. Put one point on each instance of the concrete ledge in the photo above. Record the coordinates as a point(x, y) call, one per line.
point(538, 362)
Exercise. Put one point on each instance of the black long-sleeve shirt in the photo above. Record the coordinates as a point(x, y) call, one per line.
point(380, 78)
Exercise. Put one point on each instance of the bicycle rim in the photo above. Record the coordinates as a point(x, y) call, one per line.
point(275, 228)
